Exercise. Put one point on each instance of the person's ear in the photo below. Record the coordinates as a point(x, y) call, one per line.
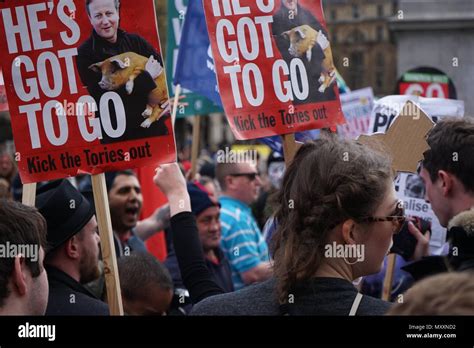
point(229, 182)
point(348, 231)
point(446, 182)
point(19, 274)
point(72, 247)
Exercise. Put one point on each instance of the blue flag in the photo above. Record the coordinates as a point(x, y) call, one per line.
point(195, 66)
point(276, 144)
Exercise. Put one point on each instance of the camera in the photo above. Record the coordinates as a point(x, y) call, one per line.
point(404, 243)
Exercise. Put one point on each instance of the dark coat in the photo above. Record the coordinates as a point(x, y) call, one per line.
point(220, 272)
point(63, 288)
point(96, 49)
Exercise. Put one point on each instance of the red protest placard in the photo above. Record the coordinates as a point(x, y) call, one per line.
point(3, 95)
point(425, 89)
point(274, 66)
point(86, 86)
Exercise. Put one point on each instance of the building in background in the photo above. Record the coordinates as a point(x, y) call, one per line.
point(363, 48)
point(437, 35)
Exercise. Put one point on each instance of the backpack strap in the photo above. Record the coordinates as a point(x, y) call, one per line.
point(355, 305)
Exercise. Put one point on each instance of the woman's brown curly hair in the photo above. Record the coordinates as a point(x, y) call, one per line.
point(329, 181)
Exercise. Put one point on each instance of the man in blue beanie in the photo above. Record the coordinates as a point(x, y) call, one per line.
point(207, 212)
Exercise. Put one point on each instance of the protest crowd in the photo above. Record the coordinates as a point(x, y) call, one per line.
point(218, 255)
point(261, 236)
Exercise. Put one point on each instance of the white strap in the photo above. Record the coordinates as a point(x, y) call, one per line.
point(355, 305)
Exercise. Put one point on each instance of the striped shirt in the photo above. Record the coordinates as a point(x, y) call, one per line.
point(242, 241)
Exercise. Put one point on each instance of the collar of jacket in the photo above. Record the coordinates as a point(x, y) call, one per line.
point(461, 234)
point(58, 276)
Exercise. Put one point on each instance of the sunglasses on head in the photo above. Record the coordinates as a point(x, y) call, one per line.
point(250, 176)
point(398, 217)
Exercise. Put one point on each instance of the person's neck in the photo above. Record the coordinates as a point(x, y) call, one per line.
point(233, 195)
point(335, 268)
point(295, 11)
point(123, 234)
point(112, 40)
point(14, 306)
point(463, 202)
point(66, 266)
point(210, 254)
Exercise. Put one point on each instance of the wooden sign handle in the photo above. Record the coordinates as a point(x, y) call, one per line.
point(29, 195)
point(174, 110)
point(195, 145)
point(388, 280)
point(102, 211)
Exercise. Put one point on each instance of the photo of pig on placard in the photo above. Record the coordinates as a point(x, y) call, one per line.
point(298, 34)
point(112, 59)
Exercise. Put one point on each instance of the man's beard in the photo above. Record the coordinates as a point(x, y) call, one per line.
point(89, 268)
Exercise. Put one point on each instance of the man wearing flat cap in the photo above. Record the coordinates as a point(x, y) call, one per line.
point(73, 250)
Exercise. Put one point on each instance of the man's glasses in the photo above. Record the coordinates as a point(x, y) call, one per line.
point(250, 176)
point(398, 217)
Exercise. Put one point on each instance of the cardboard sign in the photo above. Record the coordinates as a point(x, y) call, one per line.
point(357, 107)
point(405, 139)
point(274, 64)
point(409, 186)
point(84, 99)
point(197, 105)
point(3, 94)
point(388, 108)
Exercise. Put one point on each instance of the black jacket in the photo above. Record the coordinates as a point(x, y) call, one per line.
point(96, 49)
point(221, 273)
point(461, 250)
point(68, 297)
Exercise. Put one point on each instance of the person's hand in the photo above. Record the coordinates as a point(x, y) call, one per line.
point(423, 241)
point(170, 179)
point(171, 182)
point(153, 67)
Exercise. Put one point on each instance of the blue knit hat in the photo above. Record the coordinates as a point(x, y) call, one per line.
point(200, 199)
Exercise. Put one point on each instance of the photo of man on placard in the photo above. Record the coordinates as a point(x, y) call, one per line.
point(113, 60)
point(298, 34)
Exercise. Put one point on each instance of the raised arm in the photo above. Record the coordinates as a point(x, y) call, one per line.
point(194, 272)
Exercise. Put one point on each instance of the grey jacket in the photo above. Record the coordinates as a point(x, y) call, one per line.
point(319, 296)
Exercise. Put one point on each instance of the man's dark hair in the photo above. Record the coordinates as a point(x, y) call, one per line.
point(111, 176)
point(138, 271)
point(19, 225)
point(117, 5)
point(451, 149)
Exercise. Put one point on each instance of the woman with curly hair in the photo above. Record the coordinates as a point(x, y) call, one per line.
point(336, 217)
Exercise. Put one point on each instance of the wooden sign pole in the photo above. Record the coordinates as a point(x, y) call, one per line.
point(388, 280)
point(195, 145)
point(174, 111)
point(29, 194)
point(102, 211)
